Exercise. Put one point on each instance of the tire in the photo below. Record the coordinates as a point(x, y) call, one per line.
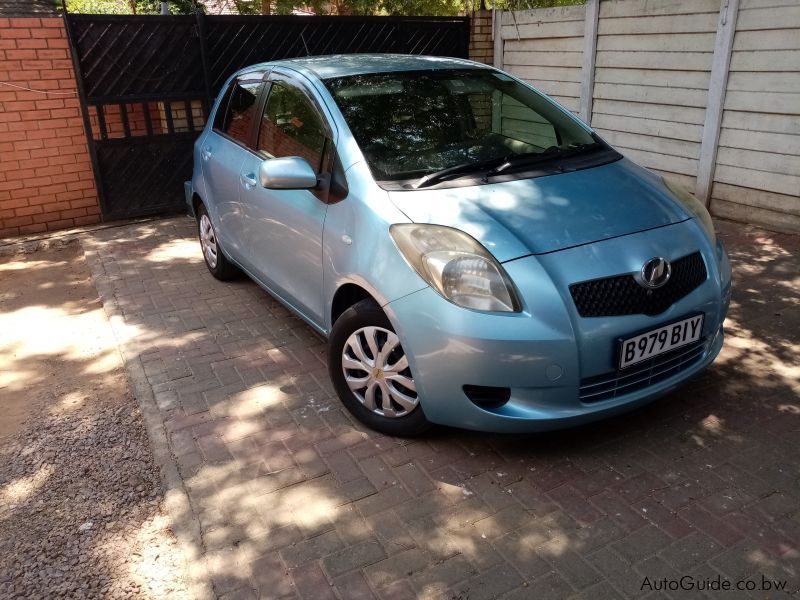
point(350, 345)
point(218, 265)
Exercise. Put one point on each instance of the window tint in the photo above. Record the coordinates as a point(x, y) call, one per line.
point(291, 126)
point(415, 123)
point(241, 110)
point(219, 117)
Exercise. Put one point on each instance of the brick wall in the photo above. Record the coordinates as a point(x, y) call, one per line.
point(46, 179)
point(481, 47)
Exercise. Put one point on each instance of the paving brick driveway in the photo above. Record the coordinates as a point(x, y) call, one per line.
point(294, 499)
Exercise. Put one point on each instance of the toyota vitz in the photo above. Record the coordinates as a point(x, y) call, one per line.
point(476, 255)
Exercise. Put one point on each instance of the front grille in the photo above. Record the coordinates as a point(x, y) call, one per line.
point(622, 295)
point(618, 383)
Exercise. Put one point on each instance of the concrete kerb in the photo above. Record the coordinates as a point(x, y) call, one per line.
point(57, 239)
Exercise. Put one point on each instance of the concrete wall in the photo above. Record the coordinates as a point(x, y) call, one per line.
point(705, 91)
point(757, 176)
point(545, 46)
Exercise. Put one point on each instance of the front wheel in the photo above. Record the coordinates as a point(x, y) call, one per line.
point(371, 374)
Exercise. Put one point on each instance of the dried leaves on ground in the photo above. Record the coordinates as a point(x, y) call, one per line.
point(80, 502)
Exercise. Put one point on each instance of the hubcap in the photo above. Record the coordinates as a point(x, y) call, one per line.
point(376, 370)
point(208, 241)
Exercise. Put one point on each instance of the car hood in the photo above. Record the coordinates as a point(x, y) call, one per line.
point(549, 213)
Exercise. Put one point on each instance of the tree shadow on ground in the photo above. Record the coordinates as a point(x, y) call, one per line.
point(79, 494)
point(289, 493)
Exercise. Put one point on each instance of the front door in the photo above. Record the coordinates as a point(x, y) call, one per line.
point(284, 234)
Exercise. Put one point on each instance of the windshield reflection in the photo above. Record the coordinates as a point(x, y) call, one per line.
point(416, 123)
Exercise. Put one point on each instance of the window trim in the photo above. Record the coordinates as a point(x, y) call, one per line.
point(291, 83)
point(329, 149)
point(250, 77)
point(222, 107)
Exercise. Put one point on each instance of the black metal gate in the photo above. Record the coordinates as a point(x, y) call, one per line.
point(147, 83)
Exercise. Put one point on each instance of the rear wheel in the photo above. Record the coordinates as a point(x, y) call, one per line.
point(219, 266)
point(371, 374)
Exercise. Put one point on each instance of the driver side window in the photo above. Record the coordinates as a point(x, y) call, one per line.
point(291, 126)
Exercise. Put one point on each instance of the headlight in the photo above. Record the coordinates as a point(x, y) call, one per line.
point(457, 266)
point(696, 208)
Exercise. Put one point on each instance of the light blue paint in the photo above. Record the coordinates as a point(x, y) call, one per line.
point(548, 232)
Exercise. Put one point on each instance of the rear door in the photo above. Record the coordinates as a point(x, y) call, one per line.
point(223, 151)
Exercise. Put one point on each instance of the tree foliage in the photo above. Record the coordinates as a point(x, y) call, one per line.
point(123, 7)
point(433, 8)
point(529, 4)
point(320, 7)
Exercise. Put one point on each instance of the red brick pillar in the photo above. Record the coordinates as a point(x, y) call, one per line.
point(46, 178)
point(481, 47)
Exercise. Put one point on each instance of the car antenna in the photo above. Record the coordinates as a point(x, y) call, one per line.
point(304, 44)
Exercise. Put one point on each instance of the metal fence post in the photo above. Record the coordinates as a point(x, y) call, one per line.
point(87, 122)
point(465, 37)
point(202, 36)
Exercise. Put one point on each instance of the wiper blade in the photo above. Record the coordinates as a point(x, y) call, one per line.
point(531, 158)
point(498, 165)
point(459, 169)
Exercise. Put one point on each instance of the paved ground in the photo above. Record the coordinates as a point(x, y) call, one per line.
point(293, 499)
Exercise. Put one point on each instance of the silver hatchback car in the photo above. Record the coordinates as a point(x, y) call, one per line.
point(476, 255)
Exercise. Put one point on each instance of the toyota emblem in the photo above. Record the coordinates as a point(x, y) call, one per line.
point(656, 273)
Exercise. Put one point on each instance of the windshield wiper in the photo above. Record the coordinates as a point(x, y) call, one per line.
point(498, 165)
point(531, 158)
point(459, 169)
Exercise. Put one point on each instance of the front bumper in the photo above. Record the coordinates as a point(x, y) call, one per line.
point(546, 353)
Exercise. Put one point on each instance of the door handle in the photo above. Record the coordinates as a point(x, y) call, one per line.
point(206, 153)
point(248, 181)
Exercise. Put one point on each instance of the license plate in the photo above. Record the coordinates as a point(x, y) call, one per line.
point(658, 341)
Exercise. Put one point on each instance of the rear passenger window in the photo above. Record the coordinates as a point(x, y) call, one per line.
point(241, 111)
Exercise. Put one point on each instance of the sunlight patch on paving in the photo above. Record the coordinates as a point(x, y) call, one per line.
point(167, 252)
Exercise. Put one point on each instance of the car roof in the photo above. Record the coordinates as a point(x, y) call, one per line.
point(340, 65)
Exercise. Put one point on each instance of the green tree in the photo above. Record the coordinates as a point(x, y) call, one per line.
point(176, 7)
point(122, 7)
point(529, 4)
point(112, 7)
point(433, 8)
point(320, 7)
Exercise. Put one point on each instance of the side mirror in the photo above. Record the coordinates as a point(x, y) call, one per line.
point(287, 173)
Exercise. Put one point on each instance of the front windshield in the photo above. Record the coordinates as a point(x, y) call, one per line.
point(411, 124)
